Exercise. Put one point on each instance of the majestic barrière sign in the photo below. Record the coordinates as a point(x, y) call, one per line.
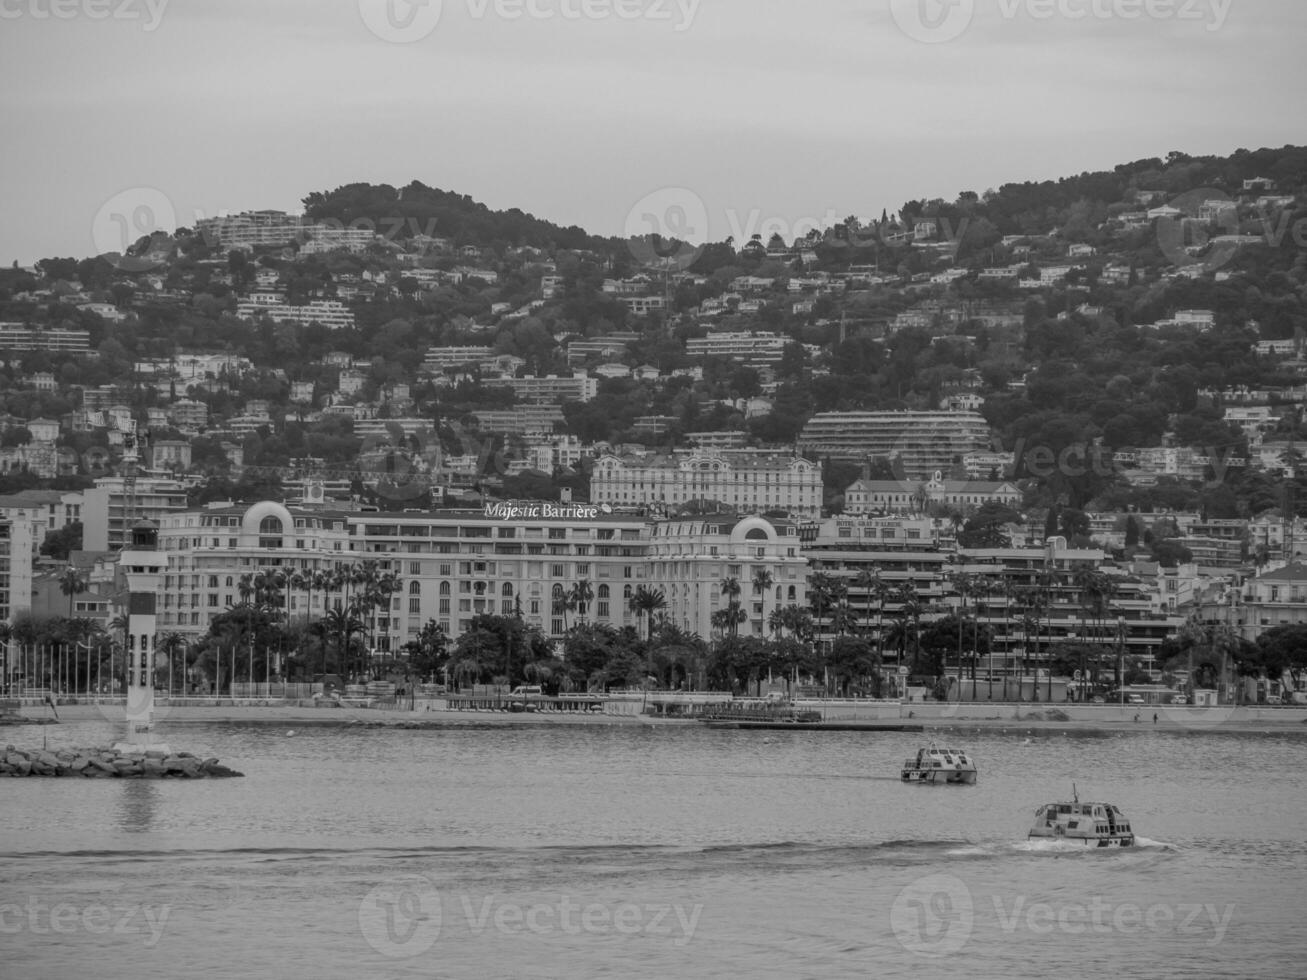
point(545, 510)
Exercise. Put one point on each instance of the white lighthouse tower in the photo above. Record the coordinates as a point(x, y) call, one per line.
point(141, 565)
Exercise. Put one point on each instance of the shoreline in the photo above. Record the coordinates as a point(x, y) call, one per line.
point(294, 715)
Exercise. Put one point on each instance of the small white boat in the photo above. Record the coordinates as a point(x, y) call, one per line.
point(1091, 824)
point(944, 766)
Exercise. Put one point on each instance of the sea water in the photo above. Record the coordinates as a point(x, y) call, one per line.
point(656, 851)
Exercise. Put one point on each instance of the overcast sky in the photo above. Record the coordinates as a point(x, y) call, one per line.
point(720, 114)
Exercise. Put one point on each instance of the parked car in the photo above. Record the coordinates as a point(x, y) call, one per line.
point(1273, 699)
point(1135, 699)
point(1179, 699)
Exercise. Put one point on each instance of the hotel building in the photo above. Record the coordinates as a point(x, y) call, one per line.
point(689, 559)
point(451, 565)
point(746, 482)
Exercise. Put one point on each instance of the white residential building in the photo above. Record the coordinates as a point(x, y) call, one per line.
point(745, 482)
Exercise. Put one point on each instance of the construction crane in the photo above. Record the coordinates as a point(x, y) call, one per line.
point(131, 442)
point(131, 462)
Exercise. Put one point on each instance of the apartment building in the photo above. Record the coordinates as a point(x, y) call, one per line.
point(918, 442)
point(108, 509)
point(328, 312)
point(751, 348)
point(18, 337)
point(578, 388)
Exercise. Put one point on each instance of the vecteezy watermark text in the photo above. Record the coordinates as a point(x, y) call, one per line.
point(936, 21)
point(936, 915)
point(675, 922)
point(150, 11)
point(669, 228)
point(1100, 917)
point(64, 919)
point(403, 918)
point(407, 21)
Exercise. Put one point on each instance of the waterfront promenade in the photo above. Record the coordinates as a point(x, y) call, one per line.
point(636, 710)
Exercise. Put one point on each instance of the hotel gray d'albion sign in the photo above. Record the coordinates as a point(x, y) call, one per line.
point(544, 510)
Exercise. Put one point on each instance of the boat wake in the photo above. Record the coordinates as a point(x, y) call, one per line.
point(1061, 846)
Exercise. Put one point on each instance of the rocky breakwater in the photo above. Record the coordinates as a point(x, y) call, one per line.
point(109, 764)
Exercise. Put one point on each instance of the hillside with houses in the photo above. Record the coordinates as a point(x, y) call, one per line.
point(1112, 365)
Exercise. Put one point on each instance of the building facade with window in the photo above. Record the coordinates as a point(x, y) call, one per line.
point(450, 565)
point(108, 508)
point(691, 558)
point(208, 551)
point(748, 482)
point(505, 560)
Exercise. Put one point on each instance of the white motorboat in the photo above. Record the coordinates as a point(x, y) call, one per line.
point(943, 766)
point(1091, 824)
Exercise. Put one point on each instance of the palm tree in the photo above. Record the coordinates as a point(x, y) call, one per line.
point(824, 590)
point(170, 643)
point(728, 619)
point(6, 634)
point(732, 615)
point(762, 583)
point(302, 580)
point(342, 624)
point(965, 585)
point(72, 583)
point(581, 595)
point(842, 618)
point(1096, 592)
point(645, 603)
point(564, 602)
point(776, 621)
point(867, 580)
point(81, 630)
point(984, 588)
point(911, 607)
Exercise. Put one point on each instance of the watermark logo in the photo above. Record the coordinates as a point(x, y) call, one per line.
point(401, 919)
point(403, 467)
point(666, 229)
point(326, 234)
point(933, 916)
point(1196, 716)
point(406, 21)
point(149, 12)
point(933, 21)
point(124, 229)
point(1198, 923)
point(1185, 236)
point(401, 21)
point(1079, 460)
point(567, 917)
point(937, 21)
point(38, 918)
point(130, 693)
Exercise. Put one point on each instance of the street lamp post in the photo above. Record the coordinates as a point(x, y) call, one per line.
point(1120, 660)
